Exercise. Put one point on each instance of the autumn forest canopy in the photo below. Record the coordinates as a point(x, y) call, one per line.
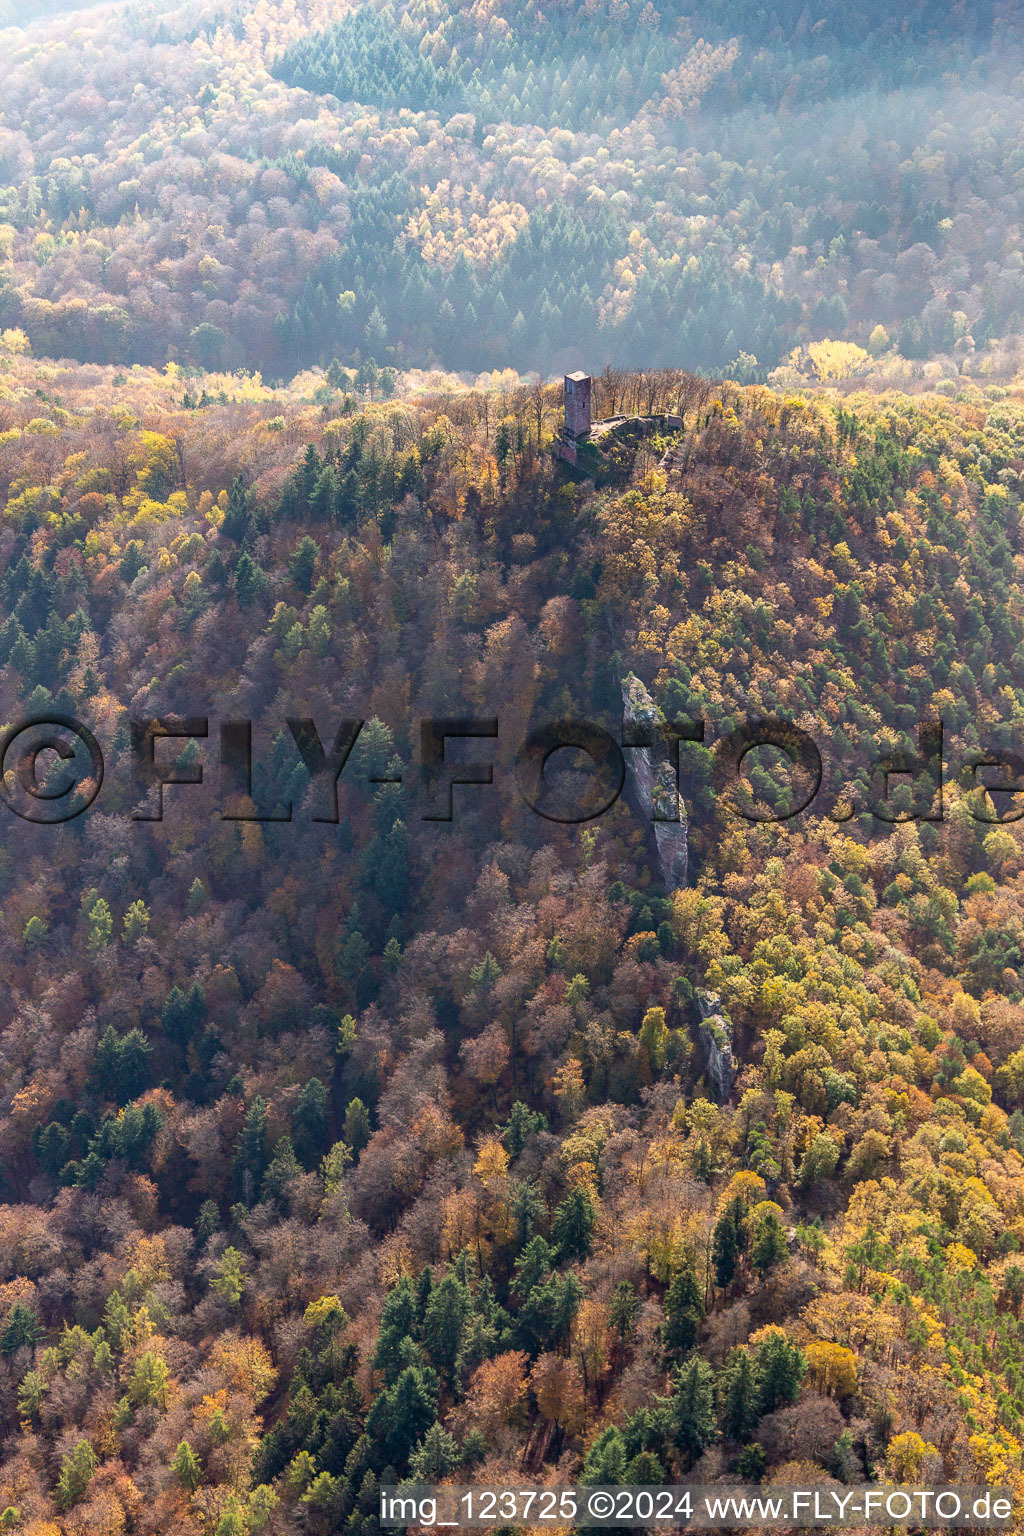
point(274, 186)
point(354, 1148)
point(334, 1154)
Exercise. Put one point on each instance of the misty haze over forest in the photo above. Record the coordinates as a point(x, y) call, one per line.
point(481, 191)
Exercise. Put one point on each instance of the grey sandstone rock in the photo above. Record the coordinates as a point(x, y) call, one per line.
point(651, 786)
point(716, 1042)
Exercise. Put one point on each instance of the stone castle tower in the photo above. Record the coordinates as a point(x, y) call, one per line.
point(577, 405)
point(577, 414)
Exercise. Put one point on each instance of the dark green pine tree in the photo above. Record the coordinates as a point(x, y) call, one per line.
point(691, 1409)
point(573, 1228)
point(738, 1396)
point(401, 1415)
point(606, 1460)
point(384, 868)
point(132, 1075)
point(106, 1060)
point(526, 1208)
point(207, 1222)
point(21, 1327)
point(645, 1430)
point(623, 1309)
point(251, 1155)
point(323, 504)
point(444, 1321)
point(545, 1318)
point(187, 1467)
point(216, 569)
point(348, 506)
point(751, 1462)
point(769, 1246)
point(303, 564)
point(250, 580)
point(424, 1290)
point(302, 487)
point(52, 1147)
point(728, 1242)
point(522, 1124)
point(644, 1470)
point(781, 1367)
point(683, 1312)
point(183, 1013)
point(533, 1265)
point(283, 1170)
point(311, 1123)
point(121, 1064)
point(238, 519)
point(435, 1456)
point(397, 1323)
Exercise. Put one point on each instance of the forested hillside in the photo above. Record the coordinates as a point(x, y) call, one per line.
point(335, 1152)
point(276, 185)
point(389, 1131)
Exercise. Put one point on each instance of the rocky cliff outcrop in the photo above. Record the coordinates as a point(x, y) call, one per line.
point(651, 785)
point(715, 1035)
point(651, 788)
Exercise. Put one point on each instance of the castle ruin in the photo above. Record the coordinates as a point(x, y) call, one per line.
point(579, 426)
point(578, 419)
